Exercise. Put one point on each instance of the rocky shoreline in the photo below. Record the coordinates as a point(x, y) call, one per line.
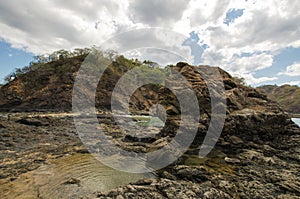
point(256, 156)
point(26, 141)
point(236, 168)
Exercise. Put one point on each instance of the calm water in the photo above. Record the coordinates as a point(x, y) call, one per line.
point(296, 120)
point(54, 179)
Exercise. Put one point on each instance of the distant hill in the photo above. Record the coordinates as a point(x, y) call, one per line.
point(286, 95)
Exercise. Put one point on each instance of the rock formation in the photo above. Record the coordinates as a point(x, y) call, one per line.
point(256, 156)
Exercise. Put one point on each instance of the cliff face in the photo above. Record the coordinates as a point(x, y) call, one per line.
point(286, 95)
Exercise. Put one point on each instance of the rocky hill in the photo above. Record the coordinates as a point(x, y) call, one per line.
point(286, 95)
point(45, 86)
point(48, 86)
point(256, 156)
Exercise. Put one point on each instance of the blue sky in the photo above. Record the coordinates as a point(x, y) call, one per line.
point(232, 14)
point(285, 58)
point(11, 58)
point(257, 40)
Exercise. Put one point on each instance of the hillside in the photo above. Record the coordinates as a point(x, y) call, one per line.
point(48, 86)
point(286, 95)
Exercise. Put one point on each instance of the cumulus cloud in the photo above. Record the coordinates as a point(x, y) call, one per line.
point(207, 12)
point(263, 26)
point(249, 64)
point(237, 63)
point(241, 66)
point(56, 24)
point(292, 70)
point(251, 41)
point(244, 46)
point(157, 13)
point(135, 41)
point(51, 25)
point(250, 79)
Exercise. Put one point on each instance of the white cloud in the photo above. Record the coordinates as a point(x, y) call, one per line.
point(237, 64)
point(52, 25)
point(162, 57)
point(249, 64)
point(157, 13)
point(265, 27)
point(292, 70)
point(292, 83)
point(207, 12)
point(250, 79)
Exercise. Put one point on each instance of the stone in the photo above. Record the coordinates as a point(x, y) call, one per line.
point(72, 181)
point(232, 160)
point(235, 140)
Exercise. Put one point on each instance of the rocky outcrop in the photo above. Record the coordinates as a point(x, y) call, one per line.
point(257, 155)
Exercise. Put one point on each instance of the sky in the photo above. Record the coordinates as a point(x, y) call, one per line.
point(257, 40)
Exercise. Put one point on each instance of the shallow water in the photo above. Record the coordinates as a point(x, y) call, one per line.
point(296, 120)
point(72, 176)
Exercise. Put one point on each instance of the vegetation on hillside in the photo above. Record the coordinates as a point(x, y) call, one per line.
point(286, 95)
point(48, 83)
point(49, 62)
point(40, 60)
